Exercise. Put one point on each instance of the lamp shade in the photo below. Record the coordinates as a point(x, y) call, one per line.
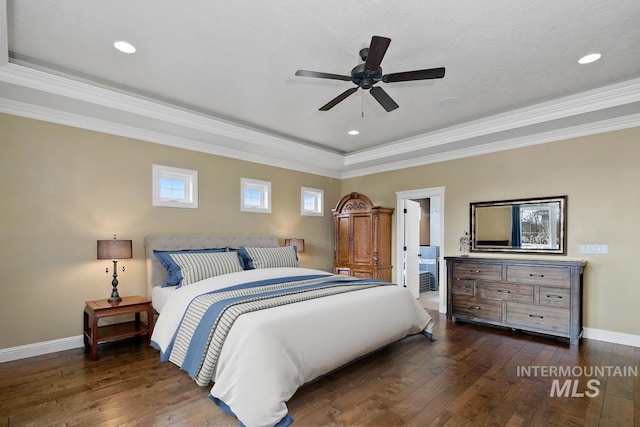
point(298, 243)
point(114, 249)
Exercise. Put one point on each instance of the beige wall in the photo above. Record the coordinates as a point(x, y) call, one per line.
point(65, 188)
point(599, 173)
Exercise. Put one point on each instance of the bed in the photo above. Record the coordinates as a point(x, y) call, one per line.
point(257, 332)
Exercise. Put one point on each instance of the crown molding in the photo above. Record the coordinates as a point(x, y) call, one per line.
point(217, 137)
point(110, 98)
point(246, 144)
point(586, 102)
point(609, 125)
point(90, 123)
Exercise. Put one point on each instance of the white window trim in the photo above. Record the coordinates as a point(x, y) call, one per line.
point(318, 195)
point(190, 177)
point(265, 189)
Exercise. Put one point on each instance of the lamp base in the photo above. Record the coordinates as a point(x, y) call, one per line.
point(115, 297)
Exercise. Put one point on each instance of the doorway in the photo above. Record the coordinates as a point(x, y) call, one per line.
point(416, 259)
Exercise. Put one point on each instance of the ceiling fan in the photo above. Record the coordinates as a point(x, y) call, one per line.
point(366, 75)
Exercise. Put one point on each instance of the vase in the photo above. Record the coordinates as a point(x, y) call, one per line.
point(465, 242)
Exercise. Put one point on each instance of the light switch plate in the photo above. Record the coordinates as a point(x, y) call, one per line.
point(600, 249)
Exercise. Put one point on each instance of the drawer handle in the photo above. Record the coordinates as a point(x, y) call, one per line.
point(474, 307)
point(536, 275)
point(504, 291)
point(536, 316)
point(464, 286)
point(475, 271)
point(554, 296)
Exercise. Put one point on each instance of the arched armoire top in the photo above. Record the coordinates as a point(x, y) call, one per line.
point(354, 202)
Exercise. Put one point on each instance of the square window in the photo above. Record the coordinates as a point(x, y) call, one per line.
point(312, 201)
point(174, 187)
point(255, 195)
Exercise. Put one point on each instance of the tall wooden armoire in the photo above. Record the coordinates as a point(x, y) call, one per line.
point(362, 238)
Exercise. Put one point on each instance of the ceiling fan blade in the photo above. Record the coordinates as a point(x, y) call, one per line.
point(335, 101)
point(431, 73)
point(383, 98)
point(305, 73)
point(377, 49)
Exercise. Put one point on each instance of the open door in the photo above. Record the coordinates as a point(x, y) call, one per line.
point(411, 247)
point(437, 227)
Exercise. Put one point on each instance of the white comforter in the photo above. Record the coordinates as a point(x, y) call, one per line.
point(270, 353)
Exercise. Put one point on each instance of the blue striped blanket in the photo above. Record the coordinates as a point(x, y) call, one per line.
point(209, 317)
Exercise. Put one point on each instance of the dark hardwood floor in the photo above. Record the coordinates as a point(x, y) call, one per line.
point(467, 377)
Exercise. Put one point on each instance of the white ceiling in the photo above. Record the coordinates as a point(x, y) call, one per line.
point(218, 77)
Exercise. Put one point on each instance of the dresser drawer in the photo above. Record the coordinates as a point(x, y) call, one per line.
point(477, 308)
point(538, 317)
point(505, 291)
point(462, 287)
point(476, 270)
point(558, 276)
point(555, 297)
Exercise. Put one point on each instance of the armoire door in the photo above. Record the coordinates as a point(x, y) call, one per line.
point(343, 245)
point(361, 239)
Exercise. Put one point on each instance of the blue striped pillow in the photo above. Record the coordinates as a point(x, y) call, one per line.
point(199, 266)
point(174, 277)
point(254, 258)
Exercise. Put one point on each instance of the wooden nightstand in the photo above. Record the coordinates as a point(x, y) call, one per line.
point(98, 309)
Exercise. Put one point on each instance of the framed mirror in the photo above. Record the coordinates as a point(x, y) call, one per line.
point(525, 226)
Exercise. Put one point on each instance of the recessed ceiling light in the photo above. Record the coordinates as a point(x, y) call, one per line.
point(353, 132)
point(125, 47)
point(588, 59)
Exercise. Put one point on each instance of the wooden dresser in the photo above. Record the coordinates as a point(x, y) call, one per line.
point(362, 238)
point(531, 295)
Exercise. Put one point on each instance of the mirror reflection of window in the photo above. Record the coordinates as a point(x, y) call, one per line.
point(524, 225)
point(535, 226)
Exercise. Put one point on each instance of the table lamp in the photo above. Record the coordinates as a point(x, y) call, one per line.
point(114, 250)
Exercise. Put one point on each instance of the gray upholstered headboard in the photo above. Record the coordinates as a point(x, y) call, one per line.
point(168, 242)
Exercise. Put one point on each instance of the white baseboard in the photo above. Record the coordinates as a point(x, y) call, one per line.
point(40, 348)
point(612, 337)
point(46, 347)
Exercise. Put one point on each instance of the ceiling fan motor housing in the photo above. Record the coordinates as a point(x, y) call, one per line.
point(364, 78)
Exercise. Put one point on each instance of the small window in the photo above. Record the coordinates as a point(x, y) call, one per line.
point(175, 187)
point(312, 201)
point(255, 196)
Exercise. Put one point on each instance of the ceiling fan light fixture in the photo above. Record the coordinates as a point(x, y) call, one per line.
point(124, 46)
point(588, 59)
point(353, 132)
